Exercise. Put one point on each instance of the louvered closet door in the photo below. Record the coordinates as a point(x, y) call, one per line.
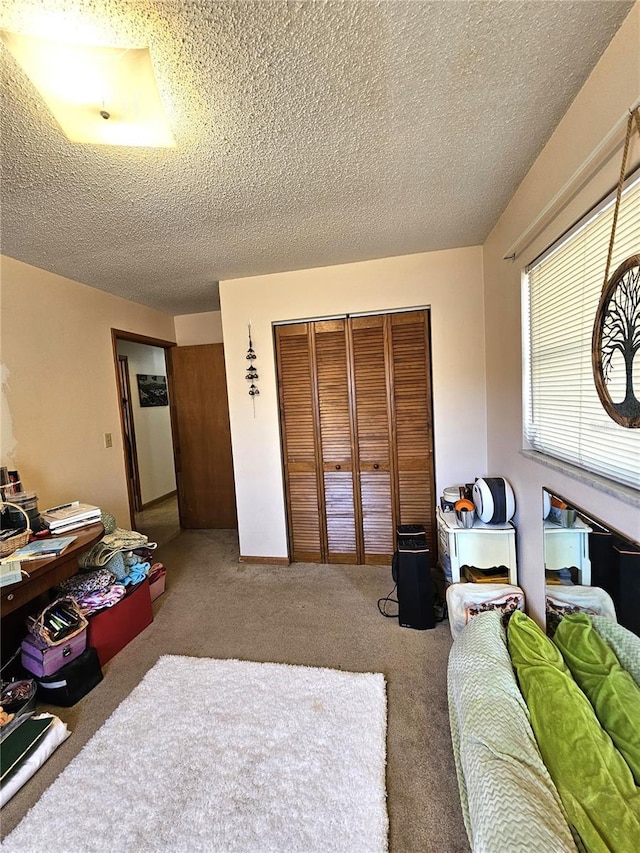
point(412, 418)
point(297, 407)
point(355, 404)
point(335, 430)
point(371, 386)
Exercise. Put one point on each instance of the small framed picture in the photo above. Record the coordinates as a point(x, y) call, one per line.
point(152, 390)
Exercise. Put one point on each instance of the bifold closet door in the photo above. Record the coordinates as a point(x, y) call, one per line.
point(298, 416)
point(335, 436)
point(412, 418)
point(373, 436)
point(355, 408)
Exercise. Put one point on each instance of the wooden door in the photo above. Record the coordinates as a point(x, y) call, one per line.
point(411, 412)
point(298, 417)
point(373, 437)
point(335, 433)
point(202, 438)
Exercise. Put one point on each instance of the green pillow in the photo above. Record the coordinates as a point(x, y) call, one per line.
point(611, 690)
point(594, 781)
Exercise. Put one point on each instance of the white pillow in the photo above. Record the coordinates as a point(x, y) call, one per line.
point(465, 600)
point(591, 599)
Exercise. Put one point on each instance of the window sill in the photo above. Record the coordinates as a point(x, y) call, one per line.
point(596, 481)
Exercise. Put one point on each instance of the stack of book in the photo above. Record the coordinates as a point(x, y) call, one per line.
point(11, 566)
point(40, 549)
point(71, 516)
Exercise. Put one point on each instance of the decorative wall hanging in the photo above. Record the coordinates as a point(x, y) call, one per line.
point(616, 330)
point(252, 374)
point(152, 390)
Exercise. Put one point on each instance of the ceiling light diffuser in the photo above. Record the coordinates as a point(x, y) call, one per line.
point(99, 95)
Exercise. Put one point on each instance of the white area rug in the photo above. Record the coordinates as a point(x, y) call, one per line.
point(211, 755)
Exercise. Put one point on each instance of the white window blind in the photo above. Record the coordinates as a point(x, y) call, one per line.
point(563, 415)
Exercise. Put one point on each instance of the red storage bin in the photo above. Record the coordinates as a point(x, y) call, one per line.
point(111, 629)
point(157, 582)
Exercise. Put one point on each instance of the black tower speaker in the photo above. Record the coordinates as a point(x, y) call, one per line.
point(412, 573)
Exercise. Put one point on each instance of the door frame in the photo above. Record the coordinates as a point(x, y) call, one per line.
point(129, 432)
point(167, 346)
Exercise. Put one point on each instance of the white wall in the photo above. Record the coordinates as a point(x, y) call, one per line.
point(449, 282)
point(59, 385)
point(611, 89)
point(152, 424)
point(195, 329)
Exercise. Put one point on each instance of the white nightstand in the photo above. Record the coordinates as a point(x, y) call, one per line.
point(483, 546)
point(565, 547)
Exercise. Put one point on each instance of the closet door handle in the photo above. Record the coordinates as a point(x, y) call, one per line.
point(338, 467)
point(375, 466)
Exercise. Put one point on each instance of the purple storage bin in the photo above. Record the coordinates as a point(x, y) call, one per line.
point(41, 659)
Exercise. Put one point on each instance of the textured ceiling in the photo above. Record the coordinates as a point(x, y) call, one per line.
point(308, 133)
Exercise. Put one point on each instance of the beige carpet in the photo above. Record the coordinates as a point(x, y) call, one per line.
point(301, 614)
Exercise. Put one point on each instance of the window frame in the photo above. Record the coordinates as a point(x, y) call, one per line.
point(604, 480)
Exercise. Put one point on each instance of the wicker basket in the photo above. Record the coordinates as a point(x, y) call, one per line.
point(14, 542)
point(36, 624)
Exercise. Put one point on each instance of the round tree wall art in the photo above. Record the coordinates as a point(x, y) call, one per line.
point(615, 348)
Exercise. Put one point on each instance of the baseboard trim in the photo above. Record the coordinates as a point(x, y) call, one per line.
point(265, 561)
point(159, 500)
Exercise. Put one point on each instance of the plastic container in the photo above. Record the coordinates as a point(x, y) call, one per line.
point(27, 500)
point(453, 493)
point(28, 503)
point(19, 522)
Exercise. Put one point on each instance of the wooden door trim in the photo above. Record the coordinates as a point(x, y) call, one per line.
point(265, 561)
point(175, 432)
point(133, 476)
point(391, 423)
point(431, 431)
point(134, 337)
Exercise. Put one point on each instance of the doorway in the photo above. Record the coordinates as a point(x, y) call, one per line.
point(147, 435)
point(174, 416)
point(161, 521)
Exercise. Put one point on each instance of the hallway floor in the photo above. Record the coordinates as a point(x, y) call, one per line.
point(160, 522)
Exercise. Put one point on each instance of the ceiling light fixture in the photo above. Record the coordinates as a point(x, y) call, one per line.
point(98, 95)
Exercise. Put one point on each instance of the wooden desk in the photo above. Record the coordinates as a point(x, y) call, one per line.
point(47, 573)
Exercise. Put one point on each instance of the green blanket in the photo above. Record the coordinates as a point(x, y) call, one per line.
point(613, 693)
point(594, 782)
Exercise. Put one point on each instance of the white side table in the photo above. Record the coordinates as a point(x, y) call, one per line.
point(565, 547)
point(483, 546)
